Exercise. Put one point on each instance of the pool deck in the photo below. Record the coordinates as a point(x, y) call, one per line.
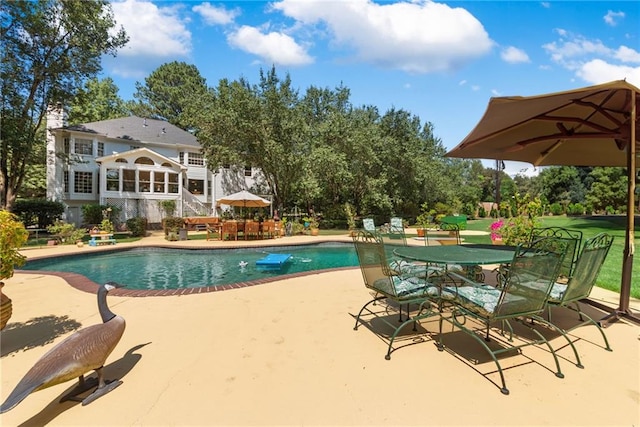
point(285, 353)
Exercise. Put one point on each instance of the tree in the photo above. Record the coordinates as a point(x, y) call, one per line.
point(609, 189)
point(169, 93)
point(562, 184)
point(97, 100)
point(257, 125)
point(49, 48)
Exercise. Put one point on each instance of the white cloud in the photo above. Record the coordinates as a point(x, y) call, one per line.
point(513, 55)
point(216, 15)
point(462, 82)
point(274, 48)
point(418, 36)
point(593, 61)
point(599, 71)
point(156, 35)
point(611, 18)
point(626, 54)
point(495, 92)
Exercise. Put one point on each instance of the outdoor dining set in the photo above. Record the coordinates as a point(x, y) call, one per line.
point(501, 297)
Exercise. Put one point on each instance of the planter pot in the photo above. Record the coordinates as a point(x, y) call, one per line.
point(6, 308)
point(497, 242)
point(420, 232)
point(315, 231)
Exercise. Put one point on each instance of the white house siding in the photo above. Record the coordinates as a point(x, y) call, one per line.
point(124, 137)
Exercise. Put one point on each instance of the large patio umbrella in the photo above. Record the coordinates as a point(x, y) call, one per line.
point(244, 199)
point(591, 126)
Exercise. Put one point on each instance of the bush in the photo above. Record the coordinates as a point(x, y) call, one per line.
point(137, 226)
point(556, 209)
point(94, 213)
point(575, 209)
point(40, 212)
point(68, 233)
point(172, 224)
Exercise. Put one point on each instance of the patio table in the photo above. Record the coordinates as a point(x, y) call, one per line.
point(470, 257)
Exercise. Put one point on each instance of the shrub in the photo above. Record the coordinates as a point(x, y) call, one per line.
point(556, 209)
point(40, 212)
point(94, 213)
point(172, 224)
point(137, 226)
point(575, 209)
point(68, 233)
point(12, 236)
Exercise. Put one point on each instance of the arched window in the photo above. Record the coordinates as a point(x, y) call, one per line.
point(121, 161)
point(167, 164)
point(144, 161)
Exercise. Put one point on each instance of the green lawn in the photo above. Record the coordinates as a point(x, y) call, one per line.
point(611, 272)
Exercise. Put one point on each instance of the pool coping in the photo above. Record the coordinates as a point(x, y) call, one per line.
point(83, 283)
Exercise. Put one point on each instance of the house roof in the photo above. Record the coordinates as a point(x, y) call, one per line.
point(138, 129)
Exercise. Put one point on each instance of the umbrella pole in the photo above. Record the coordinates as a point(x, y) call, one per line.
point(629, 247)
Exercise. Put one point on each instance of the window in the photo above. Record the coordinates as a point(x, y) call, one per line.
point(247, 171)
point(173, 183)
point(181, 158)
point(113, 180)
point(121, 161)
point(144, 161)
point(158, 182)
point(196, 186)
point(196, 159)
point(83, 146)
point(83, 182)
point(65, 182)
point(128, 180)
point(100, 149)
point(144, 181)
point(66, 146)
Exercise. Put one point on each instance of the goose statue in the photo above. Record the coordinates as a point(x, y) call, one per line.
point(84, 351)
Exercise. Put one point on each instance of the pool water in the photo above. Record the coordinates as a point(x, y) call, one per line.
point(162, 268)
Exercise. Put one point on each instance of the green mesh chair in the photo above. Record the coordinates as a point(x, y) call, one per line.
point(405, 285)
point(523, 295)
point(572, 237)
point(581, 282)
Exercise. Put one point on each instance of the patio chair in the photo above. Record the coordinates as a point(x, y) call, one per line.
point(368, 224)
point(398, 286)
point(574, 240)
point(523, 295)
point(251, 230)
point(581, 283)
point(268, 229)
point(229, 229)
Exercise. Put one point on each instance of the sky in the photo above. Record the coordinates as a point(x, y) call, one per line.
point(440, 61)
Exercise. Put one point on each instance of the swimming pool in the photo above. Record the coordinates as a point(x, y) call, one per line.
point(153, 268)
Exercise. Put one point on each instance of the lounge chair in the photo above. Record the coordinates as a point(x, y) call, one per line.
point(368, 224)
point(523, 295)
point(398, 286)
point(396, 224)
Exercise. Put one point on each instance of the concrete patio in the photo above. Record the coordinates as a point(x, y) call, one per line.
point(285, 353)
